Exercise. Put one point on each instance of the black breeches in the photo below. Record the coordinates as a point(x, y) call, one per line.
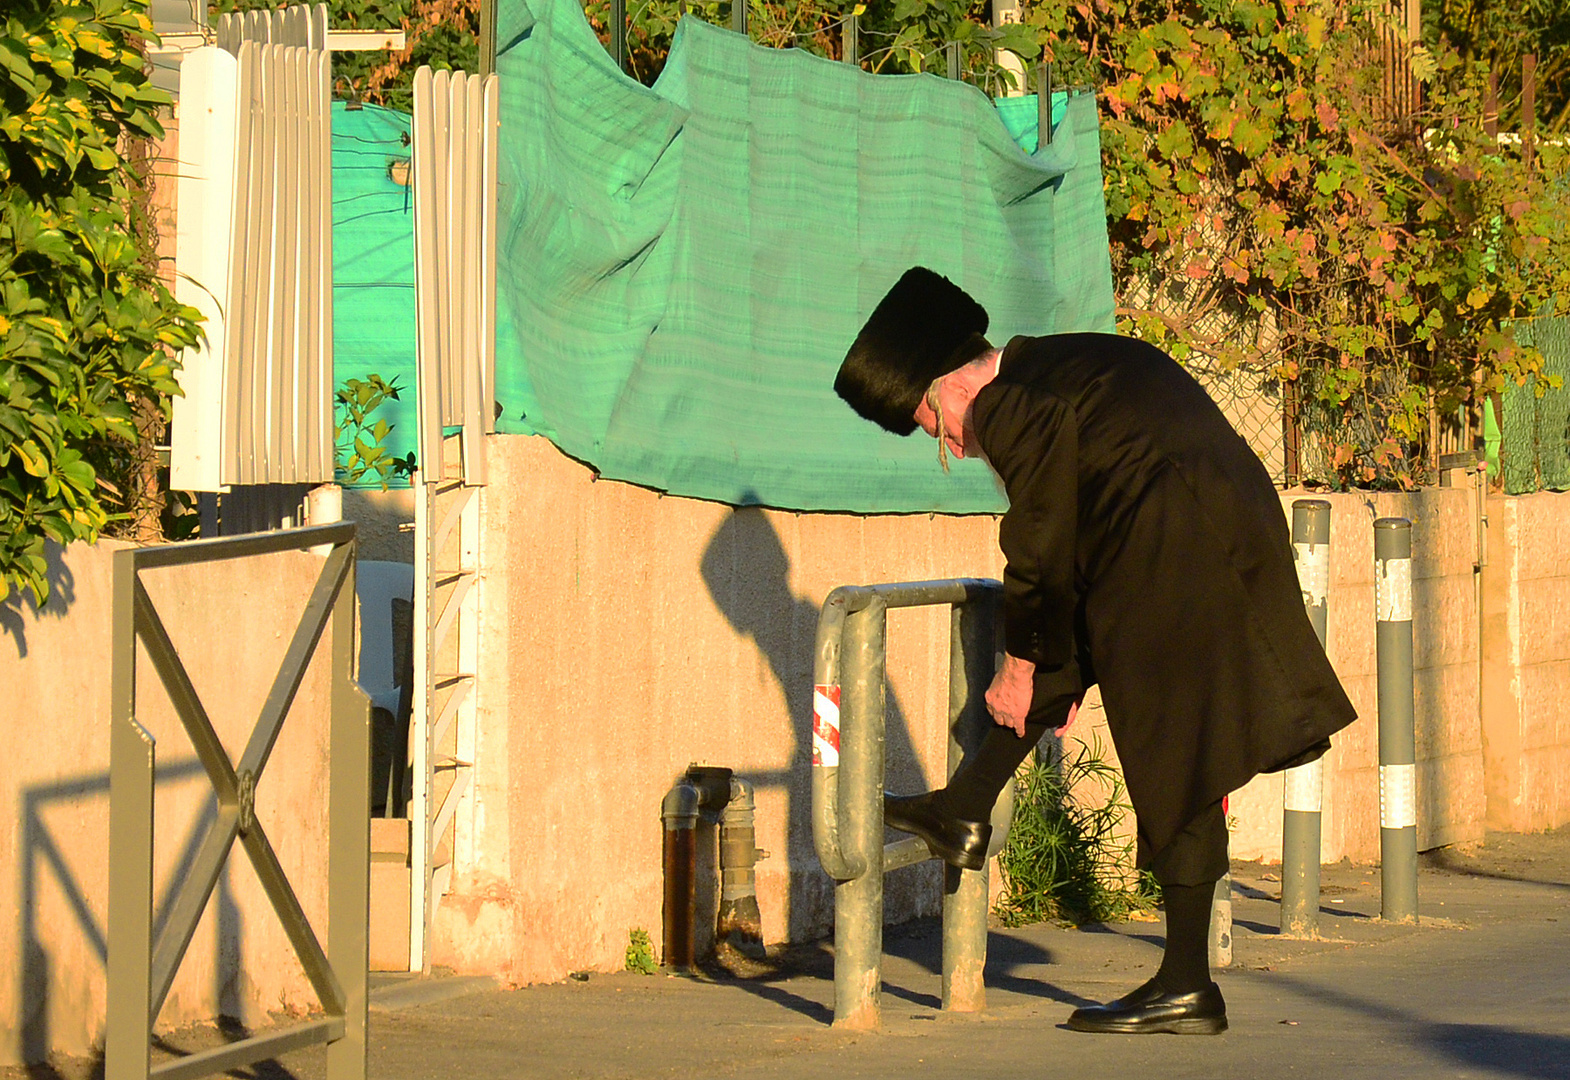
point(1196, 856)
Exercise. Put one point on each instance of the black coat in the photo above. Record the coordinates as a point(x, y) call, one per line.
point(1148, 552)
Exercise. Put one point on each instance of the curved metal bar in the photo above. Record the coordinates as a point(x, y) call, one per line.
point(825, 777)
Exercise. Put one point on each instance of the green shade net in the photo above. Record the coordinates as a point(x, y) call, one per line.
point(373, 263)
point(682, 268)
point(1535, 435)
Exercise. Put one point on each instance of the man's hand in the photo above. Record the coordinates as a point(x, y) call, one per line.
point(1008, 699)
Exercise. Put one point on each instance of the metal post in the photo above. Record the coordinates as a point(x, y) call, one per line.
point(488, 37)
point(738, 16)
point(1397, 725)
point(679, 813)
point(349, 840)
point(1301, 829)
point(858, 904)
point(850, 46)
point(131, 757)
point(1221, 923)
point(952, 59)
point(1043, 106)
point(972, 660)
point(618, 18)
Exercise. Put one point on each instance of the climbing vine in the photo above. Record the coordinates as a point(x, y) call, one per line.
point(87, 330)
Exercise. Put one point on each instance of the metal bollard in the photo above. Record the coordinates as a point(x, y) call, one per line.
point(1303, 794)
point(1221, 923)
point(973, 647)
point(847, 785)
point(1397, 724)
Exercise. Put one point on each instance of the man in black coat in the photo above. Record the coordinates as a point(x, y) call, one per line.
point(1146, 551)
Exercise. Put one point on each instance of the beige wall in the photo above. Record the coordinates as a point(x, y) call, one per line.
point(1445, 659)
point(231, 623)
point(626, 634)
point(1526, 676)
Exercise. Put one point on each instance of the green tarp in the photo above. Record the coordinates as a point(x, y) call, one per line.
point(373, 262)
point(1535, 448)
point(682, 268)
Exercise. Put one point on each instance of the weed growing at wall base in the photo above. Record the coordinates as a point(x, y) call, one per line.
point(1066, 859)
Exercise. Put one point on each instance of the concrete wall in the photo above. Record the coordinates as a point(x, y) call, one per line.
point(626, 634)
point(231, 623)
point(1445, 658)
point(1526, 673)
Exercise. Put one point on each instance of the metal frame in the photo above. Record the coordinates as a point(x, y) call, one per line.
point(142, 969)
point(847, 783)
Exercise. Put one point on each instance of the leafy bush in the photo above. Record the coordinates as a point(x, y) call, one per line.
point(359, 443)
point(1065, 859)
point(88, 330)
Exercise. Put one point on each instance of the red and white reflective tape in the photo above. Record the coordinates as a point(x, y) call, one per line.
point(826, 725)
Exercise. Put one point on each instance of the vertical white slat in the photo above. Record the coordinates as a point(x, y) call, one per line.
point(255, 434)
point(306, 383)
point(300, 241)
point(248, 300)
point(318, 343)
point(324, 291)
point(205, 198)
point(470, 319)
point(256, 27)
point(458, 243)
point(423, 165)
point(319, 21)
point(441, 217)
point(491, 119)
point(299, 21)
point(228, 32)
point(286, 202)
point(280, 418)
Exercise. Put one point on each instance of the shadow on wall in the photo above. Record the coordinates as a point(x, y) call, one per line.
point(45, 860)
point(747, 572)
point(62, 594)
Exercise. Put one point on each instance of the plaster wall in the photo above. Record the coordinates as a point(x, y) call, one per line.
point(231, 623)
point(1526, 675)
point(1446, 664)
point(626, 634)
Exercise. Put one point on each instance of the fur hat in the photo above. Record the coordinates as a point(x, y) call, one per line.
point(924, 328)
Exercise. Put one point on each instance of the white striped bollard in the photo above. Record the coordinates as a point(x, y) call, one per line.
point(1303, 791)
point(1397, 722)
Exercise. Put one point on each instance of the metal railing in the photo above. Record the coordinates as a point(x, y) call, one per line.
point(141, 967)
point(847, 783)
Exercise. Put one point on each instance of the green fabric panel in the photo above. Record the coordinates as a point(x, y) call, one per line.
point(373, 263)
point(682, 268)
point(1536, 436)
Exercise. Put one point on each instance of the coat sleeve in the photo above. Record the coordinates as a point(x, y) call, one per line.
point(1031, 439)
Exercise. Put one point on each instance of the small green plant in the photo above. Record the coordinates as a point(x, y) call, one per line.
point(360, 444)
point(640, 953)
point(1065, 859)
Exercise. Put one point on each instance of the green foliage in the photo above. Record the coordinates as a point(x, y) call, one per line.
point(87, 327)
point(360, 443)
point(1501, 35)
point(896, 38)
point(640, 953)
point(1065, 859)
point(443, 34)
point(1270, 205)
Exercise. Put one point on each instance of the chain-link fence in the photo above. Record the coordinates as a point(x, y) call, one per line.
point(1251, 399)
point(1534, 445)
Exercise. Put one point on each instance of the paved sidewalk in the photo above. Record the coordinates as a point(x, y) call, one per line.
point(1480, 989)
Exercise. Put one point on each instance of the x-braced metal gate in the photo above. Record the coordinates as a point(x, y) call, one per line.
point(141, 969)
point(847, 783)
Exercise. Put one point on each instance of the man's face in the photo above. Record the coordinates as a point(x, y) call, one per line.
point(955, 393)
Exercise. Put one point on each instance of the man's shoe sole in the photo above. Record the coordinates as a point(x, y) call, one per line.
point(1204, 1025)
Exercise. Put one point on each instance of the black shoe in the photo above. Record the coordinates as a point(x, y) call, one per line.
point(1152, 1008)
point(954, 840)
